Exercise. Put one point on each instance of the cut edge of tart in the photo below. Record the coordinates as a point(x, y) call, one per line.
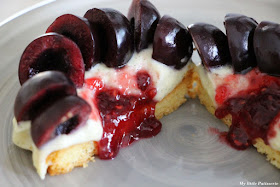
point(171, 94)
point(206, 98)
point(65, 160)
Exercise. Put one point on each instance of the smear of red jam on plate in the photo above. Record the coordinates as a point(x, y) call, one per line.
point(221, 135)
point(252, 109)
point(125, 118)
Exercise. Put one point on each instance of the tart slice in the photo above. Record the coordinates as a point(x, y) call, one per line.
point(240, 85)
point(116, 95)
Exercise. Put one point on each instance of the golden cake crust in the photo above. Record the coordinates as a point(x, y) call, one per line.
point(63, 161)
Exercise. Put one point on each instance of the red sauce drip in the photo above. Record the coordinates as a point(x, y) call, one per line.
point(221, 135)
point(126, 118)
point(252, 110)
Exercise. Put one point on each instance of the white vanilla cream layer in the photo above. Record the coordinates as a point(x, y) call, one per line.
point(211, 80)
point(164, 78)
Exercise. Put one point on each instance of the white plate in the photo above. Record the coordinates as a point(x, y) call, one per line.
point(183, 154)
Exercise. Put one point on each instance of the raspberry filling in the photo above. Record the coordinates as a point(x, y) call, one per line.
point(125, 117)
point(252, 109)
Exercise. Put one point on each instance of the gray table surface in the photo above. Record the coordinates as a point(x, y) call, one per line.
point(9, 8)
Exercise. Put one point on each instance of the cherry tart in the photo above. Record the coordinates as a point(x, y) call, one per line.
point(99, 81)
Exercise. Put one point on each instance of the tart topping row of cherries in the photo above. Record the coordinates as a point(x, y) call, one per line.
point(246, 45)
point(107, 36)
point(73, 45)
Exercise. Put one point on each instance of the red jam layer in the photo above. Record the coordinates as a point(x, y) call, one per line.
point(252, 109)
point(125, 118)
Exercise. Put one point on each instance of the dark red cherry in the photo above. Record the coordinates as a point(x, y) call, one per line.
point(82, 33)
point(143, 17)
point(211, 44)
point(62, 117)
point(172, 43)
point(240, 31)
point(39, 92)
point(115, 36)
point(267, 47)
point(52, 52)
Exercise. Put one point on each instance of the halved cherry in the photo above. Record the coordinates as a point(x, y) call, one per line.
point(62, 117)
point(267, 47)
point(115, 34)
point(39, 92)
point(240, 31)
point(143, 17)
point(211, 44)
point(172, 43)
point(52, 52)
point(82, 33)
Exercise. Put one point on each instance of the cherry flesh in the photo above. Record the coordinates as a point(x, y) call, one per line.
point(52, 52)
point(82, 33)
point(41, 91)
point(62, 117)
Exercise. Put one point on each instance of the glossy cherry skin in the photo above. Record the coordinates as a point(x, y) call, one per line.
point(82, 33)
point(211, 44)
point(172, 43)
point(115, 35)
point(52, 52)
point(144, 18)
point(39, 92)
point(62, 117)
point(240, 31)
point(267, 47)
